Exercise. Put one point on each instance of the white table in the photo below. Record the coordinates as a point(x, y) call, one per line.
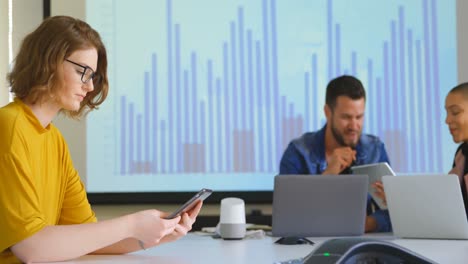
point(194, 249)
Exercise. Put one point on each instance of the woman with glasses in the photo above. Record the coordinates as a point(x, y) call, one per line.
point(44, 213)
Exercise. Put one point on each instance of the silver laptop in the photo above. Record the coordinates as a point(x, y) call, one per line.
point(375, 172)
point(318, 205)
point(426, 206)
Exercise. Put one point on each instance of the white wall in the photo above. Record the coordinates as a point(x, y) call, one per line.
point(3, 52)
point(74, 8)
point(27, 15)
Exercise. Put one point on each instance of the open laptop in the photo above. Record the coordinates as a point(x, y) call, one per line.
point(426, 206)
point(319, 205)
point(375, 172)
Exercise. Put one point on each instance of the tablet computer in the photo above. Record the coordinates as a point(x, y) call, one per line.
point(375, 172)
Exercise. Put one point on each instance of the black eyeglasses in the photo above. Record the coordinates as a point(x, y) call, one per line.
point(87, 73)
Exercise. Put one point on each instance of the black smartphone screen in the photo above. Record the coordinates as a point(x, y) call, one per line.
point(201, 195)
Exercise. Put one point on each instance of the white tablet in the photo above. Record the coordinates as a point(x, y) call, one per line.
point(375, 172)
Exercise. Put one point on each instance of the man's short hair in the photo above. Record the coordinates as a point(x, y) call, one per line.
point(344, 86)
point(461, 88)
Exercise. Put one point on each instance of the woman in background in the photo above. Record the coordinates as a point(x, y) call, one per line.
point(44, 212)
point(456, 106)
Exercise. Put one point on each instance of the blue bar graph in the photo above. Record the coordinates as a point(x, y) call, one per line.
point(234, 106)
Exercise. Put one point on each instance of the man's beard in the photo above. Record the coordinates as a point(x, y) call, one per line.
point(339, 138)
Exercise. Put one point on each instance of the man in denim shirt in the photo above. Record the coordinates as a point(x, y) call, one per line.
point(340, 144)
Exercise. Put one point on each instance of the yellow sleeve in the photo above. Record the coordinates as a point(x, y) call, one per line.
point(76, 208)
point(20, 214)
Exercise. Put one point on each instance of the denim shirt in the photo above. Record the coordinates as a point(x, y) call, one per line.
point(306, 155)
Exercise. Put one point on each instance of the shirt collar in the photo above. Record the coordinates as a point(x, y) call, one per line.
point(31, 117)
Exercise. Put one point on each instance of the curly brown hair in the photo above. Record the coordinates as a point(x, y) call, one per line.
point(36, 74)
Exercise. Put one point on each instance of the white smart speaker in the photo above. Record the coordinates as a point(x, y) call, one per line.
point(232, 219)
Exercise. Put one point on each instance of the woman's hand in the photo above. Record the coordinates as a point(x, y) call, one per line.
point(379, 191)
point(150, 226)
point(185, 224)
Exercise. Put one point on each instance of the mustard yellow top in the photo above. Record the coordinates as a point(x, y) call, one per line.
point(38, 184)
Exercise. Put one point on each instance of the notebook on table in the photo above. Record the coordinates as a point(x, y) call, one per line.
point(319, 205)
point(426, 206)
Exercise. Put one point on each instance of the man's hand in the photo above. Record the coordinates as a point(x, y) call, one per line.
point(340, 159)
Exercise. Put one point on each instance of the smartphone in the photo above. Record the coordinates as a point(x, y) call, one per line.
point(201, 195)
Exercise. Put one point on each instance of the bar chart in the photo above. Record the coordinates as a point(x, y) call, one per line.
point(225, 95)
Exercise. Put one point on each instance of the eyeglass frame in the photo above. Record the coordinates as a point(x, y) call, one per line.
point(85, 68)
